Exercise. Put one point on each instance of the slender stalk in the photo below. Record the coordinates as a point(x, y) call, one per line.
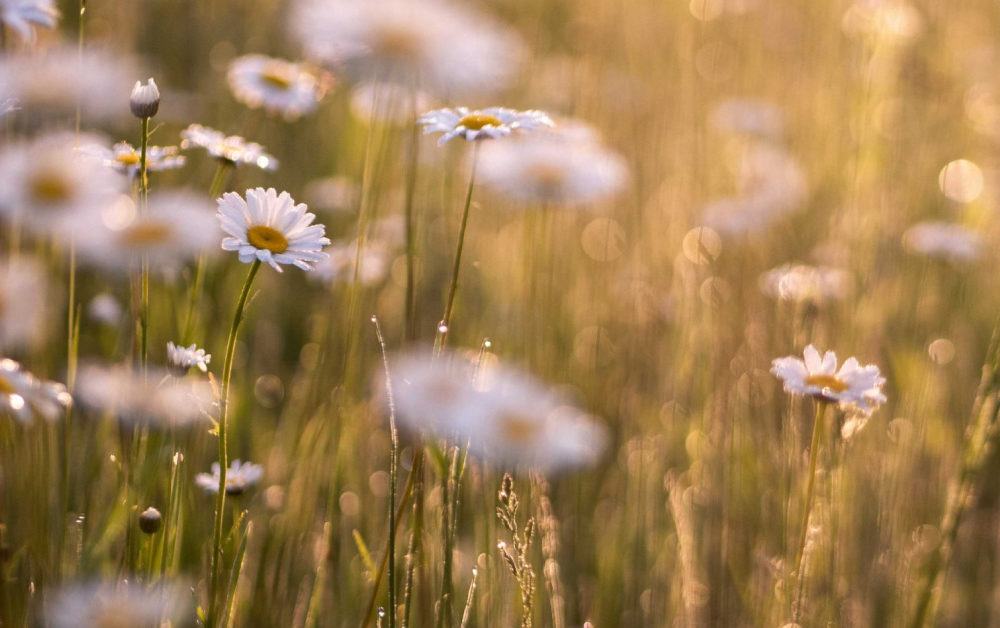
point(410, 312)
point(445, 324)
point(220, 501)
point(144, 289)
point(194, 295)
point(813, 456)
point(393, 472)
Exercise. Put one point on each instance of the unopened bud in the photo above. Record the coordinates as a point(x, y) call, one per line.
point(150, 520)
point(145, 99)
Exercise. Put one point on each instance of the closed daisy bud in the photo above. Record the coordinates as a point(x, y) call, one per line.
point(145, 99)
point(150, 520)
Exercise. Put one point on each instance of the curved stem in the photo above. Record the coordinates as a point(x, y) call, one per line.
point(450, 304)
point(220, 501)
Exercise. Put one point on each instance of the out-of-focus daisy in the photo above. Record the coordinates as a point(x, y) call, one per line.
point(24, 397)
point(550, 168)
point(56, 79)
point(180, 358)
point(154, 399)
point(750, 117)
point(341, 259)
point(771, 184)
point(489, 123)
point(105, 309)
point(943, 240)
point(443, 47)
point(175, 228)
point(24, 298)
point(42, 183)
point(799, 282)
point(239, 477)
point(272, 228)
point(506, 416)
point(125, 158)
point(853, 386)
point(232, 148)
point(23, 15)
point(892, 20)
point(279, 87)
point(106, 605)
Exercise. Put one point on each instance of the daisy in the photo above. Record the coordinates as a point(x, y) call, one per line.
point(176, 228)
point(943, 240)
point(44, 182)
point(853, 386)
point(180, 359)
point(153, 398)
point(506, 416)
point(24, 296)
point(124, 158)
point(271, 228)
point(231, 149)
point(551, 168)
point(799, 282)
point(23, 396)
point(279, 87)
point(20, 15)
point(490, 123)
point(239, 477)
point(444, 47)
point(53, 81)
point(100, 605)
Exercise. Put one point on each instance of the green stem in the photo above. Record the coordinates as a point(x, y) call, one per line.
point(194, 295)
point(220, 501)
point(410, 329)
point(144, 289)
point(393, 477)
point(813, 456)
point(450, 304)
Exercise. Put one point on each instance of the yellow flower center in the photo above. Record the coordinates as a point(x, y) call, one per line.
point(6, 387)
point(48, 188)
point(267, 238)
point(476, 121)
point(130, 158)
point(145, 234)
point(277, 77)
point(826, 381)
point(517, 428)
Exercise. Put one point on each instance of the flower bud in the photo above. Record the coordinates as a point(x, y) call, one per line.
point(150, 520)
point(145, 99)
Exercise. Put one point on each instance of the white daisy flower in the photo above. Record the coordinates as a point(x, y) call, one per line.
point(46, 181)
point(22, 15)
point(279, 87)
point(53, 81)
point(551, 168)
point(24, 397)
point(443, 47)
point(272, 228)
point(853, 386)
point(103, 605)
point(506, 416)
point(232, 148)
point(24, 298)
point(180, 358)
point(799, 282)
point(125, 158)
point(490, 123)
point(105, 309)
point(176, 228)
point(154, 399)
point(943, 240)
point(239, 477)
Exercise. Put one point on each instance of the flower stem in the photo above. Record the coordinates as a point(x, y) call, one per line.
point(220, 501)
point(450, 304)
point(813, 456)
point(144, 289)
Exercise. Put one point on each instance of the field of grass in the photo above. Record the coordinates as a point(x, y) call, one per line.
point(524, 376)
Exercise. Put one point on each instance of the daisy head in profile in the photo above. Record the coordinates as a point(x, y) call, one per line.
point(271, 228)
point(280, 87)
point(239, 477)
point(854, 387)
point(229, 149)
point(475, 124)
